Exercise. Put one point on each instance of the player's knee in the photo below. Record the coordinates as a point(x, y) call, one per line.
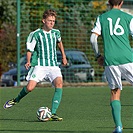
point(58, 83)
point(31, 85)
point(29, 89)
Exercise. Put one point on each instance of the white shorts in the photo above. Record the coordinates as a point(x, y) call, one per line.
point(114, 74)
point(41, 73)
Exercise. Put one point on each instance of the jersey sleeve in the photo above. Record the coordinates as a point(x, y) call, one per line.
point(97, 26)
point(31, 42)
point(58, 35)
point(131, 27)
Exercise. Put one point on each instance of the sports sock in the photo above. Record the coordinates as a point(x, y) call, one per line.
point(116, 112)
point(22, 93)
point(56, 100)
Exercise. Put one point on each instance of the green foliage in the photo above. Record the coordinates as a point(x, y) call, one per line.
point(7, 33)
point(7, 45)
point(7, 12)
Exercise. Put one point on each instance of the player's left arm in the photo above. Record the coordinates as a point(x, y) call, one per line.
point(61, 48)
point(30, 44)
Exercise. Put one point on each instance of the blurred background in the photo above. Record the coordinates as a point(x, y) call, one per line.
point(75, 20)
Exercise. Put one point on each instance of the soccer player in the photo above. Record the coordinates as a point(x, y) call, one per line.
point(115, 27)
point(42, 61)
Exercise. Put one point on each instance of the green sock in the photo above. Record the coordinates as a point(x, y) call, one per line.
point(116, 112)
point(22, 93)
point(56, 100)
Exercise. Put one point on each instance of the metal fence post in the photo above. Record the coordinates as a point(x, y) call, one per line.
point(18, 42)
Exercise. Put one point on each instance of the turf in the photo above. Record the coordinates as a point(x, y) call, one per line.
point(84, 110)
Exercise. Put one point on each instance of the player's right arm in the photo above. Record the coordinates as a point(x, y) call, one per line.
point(93, 40)
point(96, 31)
point(28, 64)
point(31, 43)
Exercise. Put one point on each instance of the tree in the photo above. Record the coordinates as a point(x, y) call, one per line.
point(7, 33)
point(7, 12)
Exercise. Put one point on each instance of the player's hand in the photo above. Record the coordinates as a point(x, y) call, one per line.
point(100, 60)
point(64, 61)
point(27, 65)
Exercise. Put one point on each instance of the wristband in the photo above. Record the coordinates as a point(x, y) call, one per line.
point(98, 56)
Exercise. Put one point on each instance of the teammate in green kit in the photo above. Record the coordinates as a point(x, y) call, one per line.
point(42, 58)
point(115, 27)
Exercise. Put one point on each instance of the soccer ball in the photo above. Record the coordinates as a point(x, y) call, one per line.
point(43, 114)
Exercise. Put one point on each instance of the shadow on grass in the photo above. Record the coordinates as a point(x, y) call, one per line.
point(125, 130)
point(126, 105)
point(121, 105)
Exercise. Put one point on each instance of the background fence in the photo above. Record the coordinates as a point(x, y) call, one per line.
point(75, 21)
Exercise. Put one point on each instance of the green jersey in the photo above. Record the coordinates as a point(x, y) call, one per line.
point(43, 46)
point(115, 27)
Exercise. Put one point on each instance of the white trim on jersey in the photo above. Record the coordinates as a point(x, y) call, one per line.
point(31, 45)
point(41, 37)
point(97, 28)
point(93, 40)
point(131, 27)
point(51, 43)
point(38, 62)
point(59, 39)
point(55, 43)
point(47, 46)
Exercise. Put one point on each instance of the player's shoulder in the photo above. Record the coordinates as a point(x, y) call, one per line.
point(126, 13)
point(104, 14)
point(35, 32)
point(126, 16)
point(55, 30)
point(117, 12)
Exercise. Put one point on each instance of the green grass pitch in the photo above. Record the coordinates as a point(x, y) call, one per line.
point(84, 110)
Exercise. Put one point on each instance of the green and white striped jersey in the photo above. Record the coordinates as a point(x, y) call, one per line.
point(115, 27)
point(43, 46)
